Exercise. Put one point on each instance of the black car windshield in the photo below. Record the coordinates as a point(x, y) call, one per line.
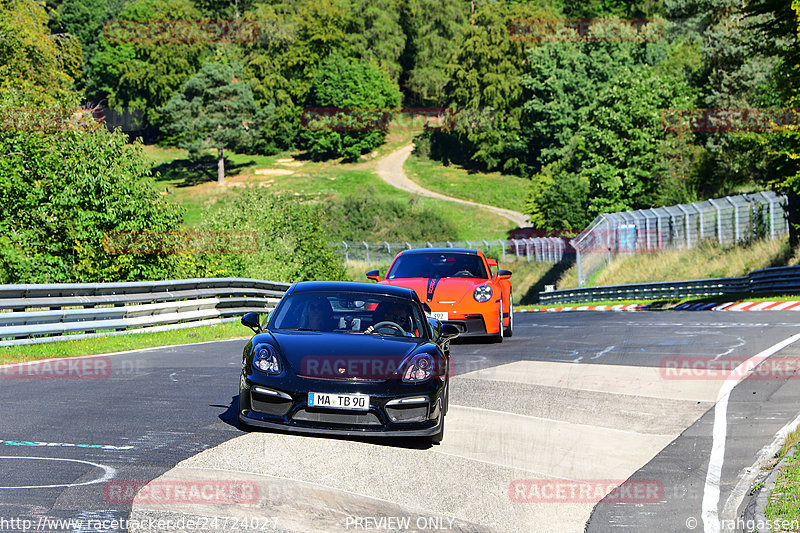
point(349, 312)
point(438, 265)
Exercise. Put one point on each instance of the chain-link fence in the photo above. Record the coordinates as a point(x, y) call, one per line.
point(728, 220)
point(540, 249)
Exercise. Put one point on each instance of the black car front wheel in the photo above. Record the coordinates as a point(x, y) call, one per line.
point(242, 425)
point(437, 437)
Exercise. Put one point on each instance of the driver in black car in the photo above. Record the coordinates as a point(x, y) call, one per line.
point(390, 312)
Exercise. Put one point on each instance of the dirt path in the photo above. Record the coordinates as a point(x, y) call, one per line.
point(390, 169)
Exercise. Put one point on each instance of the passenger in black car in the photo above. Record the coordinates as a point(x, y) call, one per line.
point(319, 315)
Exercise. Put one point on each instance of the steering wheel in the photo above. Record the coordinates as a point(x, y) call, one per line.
point(389, 324)
point(463, 273)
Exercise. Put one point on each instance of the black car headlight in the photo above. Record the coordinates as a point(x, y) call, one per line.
point(482, 293)
point(419, 368)
point(265, 358)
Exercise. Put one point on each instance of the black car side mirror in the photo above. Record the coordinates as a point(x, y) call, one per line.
point(503, 274)
point(449, 331)
point(374, 275)
point(251, 320)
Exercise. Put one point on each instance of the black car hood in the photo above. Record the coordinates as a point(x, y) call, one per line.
point(344, 355)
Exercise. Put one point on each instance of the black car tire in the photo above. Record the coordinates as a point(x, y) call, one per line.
point(499, 336)
point(242, 425)
point(437, 437)
point(509, 332)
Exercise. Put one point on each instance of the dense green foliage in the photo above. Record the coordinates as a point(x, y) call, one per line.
point(358, 93)
point(289, 237)
point(585, 116)
point(363, 216)
point(143, 76)
point(62, 194)
point(782, 148)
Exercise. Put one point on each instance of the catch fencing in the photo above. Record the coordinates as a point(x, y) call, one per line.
point(776, 281)
point(539, 249)
point(32, 314)
point(728, 220)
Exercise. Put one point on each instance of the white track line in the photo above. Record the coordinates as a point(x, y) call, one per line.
point(748, 475)
point(711, 491)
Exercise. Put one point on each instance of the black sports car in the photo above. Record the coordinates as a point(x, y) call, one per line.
point(347, 358)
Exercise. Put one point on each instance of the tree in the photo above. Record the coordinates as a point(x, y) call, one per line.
point(84, 20)
point(63, 194)
point(375, 34)
point(360, 95)
point(736, 74)
point(605, 154)
point(289, 236)
point(781, 39)
point(142, 76)
point(213, 110)
point(434, 33)
point(33, 61)
point(294, 38)
point(485, 78)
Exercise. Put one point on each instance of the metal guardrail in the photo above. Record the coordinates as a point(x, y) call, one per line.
point(779, 280)
point(31, 314)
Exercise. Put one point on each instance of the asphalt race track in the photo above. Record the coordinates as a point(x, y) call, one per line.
point(541, 428)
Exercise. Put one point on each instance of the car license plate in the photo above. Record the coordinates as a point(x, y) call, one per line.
point(358, 402)
point(440, 315)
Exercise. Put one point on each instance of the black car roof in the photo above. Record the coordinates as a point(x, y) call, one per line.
point(439, 250)
point(353, 286)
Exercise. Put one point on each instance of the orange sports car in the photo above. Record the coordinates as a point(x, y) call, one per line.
point(460, 287)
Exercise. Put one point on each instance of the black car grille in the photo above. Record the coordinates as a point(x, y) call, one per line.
point(410, 413)
point(340, 418)
point(271, 405)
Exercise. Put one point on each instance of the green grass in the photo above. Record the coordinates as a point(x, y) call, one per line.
point(783, 507)
point(193, 184)
point(118, 343)
point(492, 188)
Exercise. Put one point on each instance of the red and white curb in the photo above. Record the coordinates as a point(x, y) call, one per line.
point(740, 306)
point(628, 307)
point(705, 306)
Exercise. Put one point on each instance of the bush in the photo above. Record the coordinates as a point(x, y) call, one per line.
point(288, 235)
point(359, 91)
point(365, 217)
point(62, 193)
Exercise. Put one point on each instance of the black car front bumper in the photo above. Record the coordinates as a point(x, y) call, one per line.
point(282, 403)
